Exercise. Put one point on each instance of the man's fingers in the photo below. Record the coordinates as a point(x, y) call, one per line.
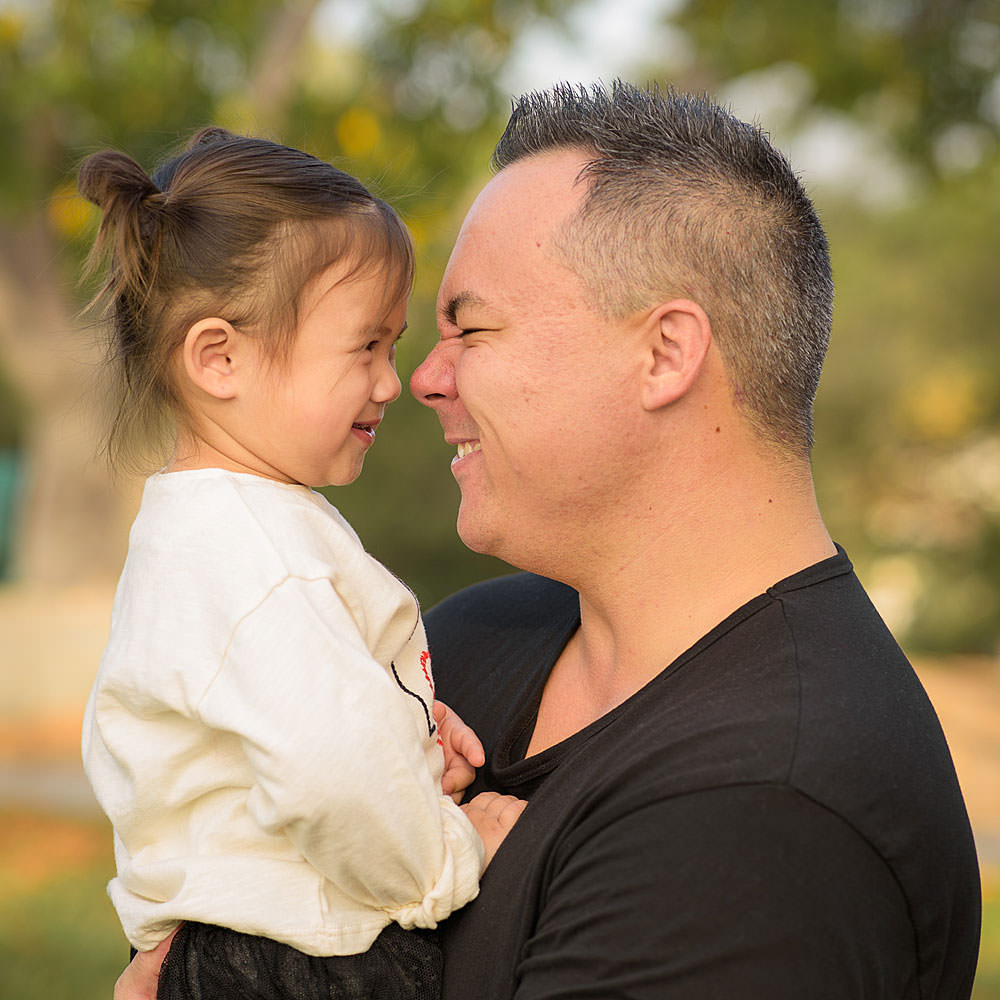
point(141, 977)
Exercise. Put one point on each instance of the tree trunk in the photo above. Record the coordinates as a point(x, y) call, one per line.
point(73, 517)
point(72, 520)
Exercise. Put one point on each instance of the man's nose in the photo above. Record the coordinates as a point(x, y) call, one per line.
point(433, 380)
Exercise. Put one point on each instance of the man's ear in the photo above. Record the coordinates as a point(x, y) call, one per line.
point(679, 335)
point(207, 355)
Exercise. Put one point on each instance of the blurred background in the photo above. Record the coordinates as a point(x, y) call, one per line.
point(890, 110)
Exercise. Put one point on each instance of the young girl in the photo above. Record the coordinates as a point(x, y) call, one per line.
point(262, 732)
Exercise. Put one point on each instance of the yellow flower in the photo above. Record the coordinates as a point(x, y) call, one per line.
point(70, 215)
point(358, 132)
point(944, 404)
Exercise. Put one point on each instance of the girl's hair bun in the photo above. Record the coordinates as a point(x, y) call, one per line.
point(132, 227)
point(236, 227)
point(110, 176)
point(209, 135)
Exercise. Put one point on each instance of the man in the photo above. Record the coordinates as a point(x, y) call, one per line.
point(737, 785)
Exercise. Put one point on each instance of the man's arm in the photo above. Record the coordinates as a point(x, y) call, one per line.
point(141, 977)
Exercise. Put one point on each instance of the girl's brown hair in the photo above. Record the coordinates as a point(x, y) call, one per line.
point(233, 227)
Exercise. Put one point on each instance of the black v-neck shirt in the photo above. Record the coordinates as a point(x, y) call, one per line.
point(774, 815)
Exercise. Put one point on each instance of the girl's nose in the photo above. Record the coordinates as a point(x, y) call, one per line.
point(387, 387)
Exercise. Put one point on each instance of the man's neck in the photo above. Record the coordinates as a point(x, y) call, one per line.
point(671, 576)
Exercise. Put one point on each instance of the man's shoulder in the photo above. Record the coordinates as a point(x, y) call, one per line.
point(518, 600)
point(491, 641)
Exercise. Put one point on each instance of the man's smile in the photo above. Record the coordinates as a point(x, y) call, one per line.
point(466, 448)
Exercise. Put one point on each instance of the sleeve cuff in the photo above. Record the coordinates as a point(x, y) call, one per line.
point(458, 882)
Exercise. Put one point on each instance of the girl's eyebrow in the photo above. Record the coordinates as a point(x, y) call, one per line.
point(383, 330)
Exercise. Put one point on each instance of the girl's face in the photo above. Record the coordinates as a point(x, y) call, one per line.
point(312, 418)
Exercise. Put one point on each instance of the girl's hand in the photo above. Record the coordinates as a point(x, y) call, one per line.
point(493, 815)
point(142, 974)
point(463, 752)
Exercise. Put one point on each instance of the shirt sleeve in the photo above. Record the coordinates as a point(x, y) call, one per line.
point(338, 762)
point(744, 892)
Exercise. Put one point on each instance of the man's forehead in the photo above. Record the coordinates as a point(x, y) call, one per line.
point(506, 239)
point(518, 211)
point(546, 185)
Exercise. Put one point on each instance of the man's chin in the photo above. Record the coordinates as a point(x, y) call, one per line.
point(476, 535)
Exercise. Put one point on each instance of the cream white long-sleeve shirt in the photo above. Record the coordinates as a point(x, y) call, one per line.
point(260, 731)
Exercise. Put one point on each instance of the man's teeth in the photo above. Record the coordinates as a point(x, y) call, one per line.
point(468, 447)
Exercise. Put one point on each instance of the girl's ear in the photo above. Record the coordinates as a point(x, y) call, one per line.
point(679, 335)
point(207, 356)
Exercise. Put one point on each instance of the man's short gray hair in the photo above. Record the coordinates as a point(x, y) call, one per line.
point(685, 200)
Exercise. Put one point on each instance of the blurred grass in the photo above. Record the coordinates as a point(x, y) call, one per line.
point(60, 939)
point(59, 936)
point(988, 977)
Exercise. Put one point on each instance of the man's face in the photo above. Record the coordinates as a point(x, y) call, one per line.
point(530, 383)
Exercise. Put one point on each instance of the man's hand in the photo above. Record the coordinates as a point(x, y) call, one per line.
point(493, 815)
point(463, 752)
point(142, 974)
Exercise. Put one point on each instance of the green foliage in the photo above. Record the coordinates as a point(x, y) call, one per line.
point(987, 986)
point(80, 74)
point(912, 68)
point(908, 410)
point(414, 114)
point(908, 415)
point(59, 936)
point(14, 414)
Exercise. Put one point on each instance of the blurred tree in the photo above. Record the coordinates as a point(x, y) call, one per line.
point(75, 76)
point(908, 417)
point(922, 71)
point(406, 96)
point(908, 414)
point(411, 106)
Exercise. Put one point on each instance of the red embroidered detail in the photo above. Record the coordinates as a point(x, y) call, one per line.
point(425, 659)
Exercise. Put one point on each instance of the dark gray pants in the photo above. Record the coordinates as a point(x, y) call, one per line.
point(214, 963)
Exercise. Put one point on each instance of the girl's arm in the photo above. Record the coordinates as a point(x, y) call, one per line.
point(493, 815)
point(339, 764)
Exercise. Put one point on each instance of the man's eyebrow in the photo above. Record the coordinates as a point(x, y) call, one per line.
point(457, 302)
